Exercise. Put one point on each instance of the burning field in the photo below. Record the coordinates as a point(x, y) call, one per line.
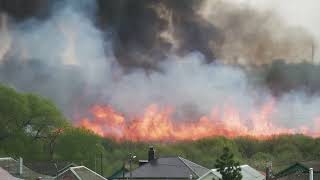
point(156, 124)
point(161, 71)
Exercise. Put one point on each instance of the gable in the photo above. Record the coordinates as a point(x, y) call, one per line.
point(80, 173)
point(247, 172)
point(85, 173)
point(296, 168)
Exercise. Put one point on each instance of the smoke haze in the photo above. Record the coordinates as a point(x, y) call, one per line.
point(131, 54)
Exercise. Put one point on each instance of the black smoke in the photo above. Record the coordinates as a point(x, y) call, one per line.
point(22, 10)
point(136, 27)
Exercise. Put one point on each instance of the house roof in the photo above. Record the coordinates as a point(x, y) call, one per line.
point(49, 168)
point(168, 167)
point(11, 166)
point(299, 176)
point(82, 173)
point(247, 172)
point(300, 168)
point(6, 175)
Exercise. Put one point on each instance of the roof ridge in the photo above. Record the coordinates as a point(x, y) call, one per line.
point(195, 163)
point(78, 167)
point(180, 158)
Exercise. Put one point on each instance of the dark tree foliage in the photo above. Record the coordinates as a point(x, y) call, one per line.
point(228, 167)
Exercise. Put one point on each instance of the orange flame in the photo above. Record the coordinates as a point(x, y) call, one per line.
point(156, 124)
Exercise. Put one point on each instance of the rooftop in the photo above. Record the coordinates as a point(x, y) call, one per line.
point(247, 172)
point(81, 173)
point(168, 167)
point(300, 169)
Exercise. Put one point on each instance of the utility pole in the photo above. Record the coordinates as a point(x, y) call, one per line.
point(131, 157)
point(130, 165)
point(101, 160)
point(95, 163)
point(101, 164)
point(269, 175)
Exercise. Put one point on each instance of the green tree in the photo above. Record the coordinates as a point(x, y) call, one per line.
point(29, 124)
point(45, 122)
point(228, 167)
point(79, 145)
point(13, 110)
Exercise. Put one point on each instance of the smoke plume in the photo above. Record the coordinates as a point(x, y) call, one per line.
point(130, 54)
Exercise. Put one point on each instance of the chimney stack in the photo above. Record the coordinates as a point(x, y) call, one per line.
point(20, 171)
point(151, 154)
point(311, 174)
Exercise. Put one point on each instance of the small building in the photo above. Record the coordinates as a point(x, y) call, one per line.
point(79, 173)
point(247, 172)
point(164, 168)
point(300, 171)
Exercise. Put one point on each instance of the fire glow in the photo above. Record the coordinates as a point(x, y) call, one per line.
point(156, 124)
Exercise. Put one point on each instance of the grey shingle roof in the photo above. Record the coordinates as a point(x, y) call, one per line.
point(168, 167)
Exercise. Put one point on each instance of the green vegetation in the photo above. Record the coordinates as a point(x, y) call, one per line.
point(228, 167)
point(34, 128)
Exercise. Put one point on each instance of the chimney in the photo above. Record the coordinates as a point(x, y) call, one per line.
point(311, 174)
point(20, 171)
point(151, 154)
